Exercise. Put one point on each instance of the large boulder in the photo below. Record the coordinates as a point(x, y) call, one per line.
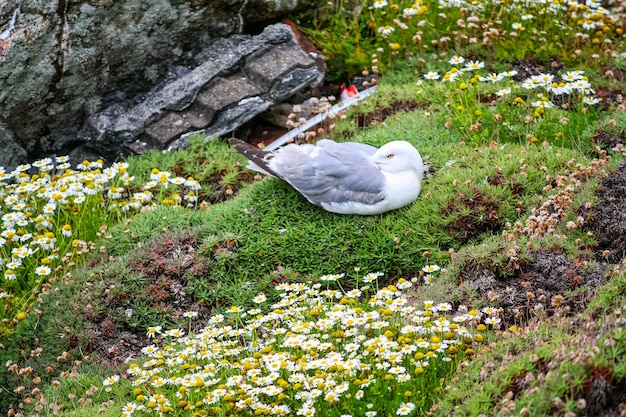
point(240, 77)
point(63, 61)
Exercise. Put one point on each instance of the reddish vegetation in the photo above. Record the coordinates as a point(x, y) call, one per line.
point(164, 273)
point(472, 216)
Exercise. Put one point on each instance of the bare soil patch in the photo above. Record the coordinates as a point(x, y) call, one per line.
point(550, 280)
point(470, 216)
point(608, 218)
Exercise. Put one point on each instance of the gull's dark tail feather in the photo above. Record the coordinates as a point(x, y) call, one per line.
point(257, 156)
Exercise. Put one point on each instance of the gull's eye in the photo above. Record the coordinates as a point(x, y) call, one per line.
point(390, 156)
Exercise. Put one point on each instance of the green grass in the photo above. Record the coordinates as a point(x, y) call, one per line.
point(492, 160)
point(271, 225)
point(484, 30)
point(271, 230)
point(268, 232)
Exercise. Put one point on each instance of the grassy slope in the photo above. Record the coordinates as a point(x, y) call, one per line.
point(272, 226)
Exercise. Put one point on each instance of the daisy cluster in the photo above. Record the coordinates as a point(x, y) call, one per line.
point(314, 352)
point(533, 25)
point(545, 87)
point(48, 212)
point(564, 14)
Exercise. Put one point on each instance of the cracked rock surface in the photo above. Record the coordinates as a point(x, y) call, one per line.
point(113, 63)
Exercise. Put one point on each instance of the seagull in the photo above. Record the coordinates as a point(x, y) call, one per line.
point(346, 177)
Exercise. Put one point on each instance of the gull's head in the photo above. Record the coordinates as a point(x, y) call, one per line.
point(398, 156)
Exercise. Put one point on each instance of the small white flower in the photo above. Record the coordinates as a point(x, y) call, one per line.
point(408, 12)
point(503, 92)
point(177, 180)
point(492, 321)
point(456, 60)
point(385, 31)
point(153, 330)
point(431, 268)
point(405, 409)
point(489, 310)
point(397, 370)
point(474, 65)
point(429, 279)
point(452, 75)
point(259, 298)
point(111, 380)
point(572, 75)
point(544, 104)
point(444, 307)
point(331, 277)
point(494, 78)
point(591, 100)
point(43, 271)
point(42, 162)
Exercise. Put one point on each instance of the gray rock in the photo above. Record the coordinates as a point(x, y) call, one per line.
point(12, 154)
point(241, 77)
point(62, 61)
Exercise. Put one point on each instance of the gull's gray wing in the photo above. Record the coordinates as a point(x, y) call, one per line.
point(331, 172)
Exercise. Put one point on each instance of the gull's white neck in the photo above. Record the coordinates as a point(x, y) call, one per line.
point(402, 187)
